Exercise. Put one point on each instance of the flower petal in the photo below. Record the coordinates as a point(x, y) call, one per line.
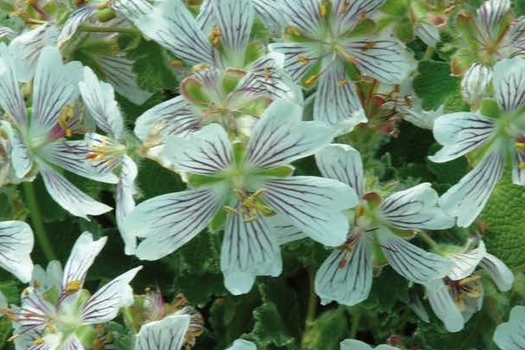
point(34, 310)
point(443, 306)
point(299, 58)
point(511, 335)
point(460, 133)
point(353, 344)
point(166, 334)
point(10, 97)
point(241, 344)
point(342, 162)
point(81, 258)
point(475, 82)
point(518, 168)
point(490, 15)
point(411, 262)
point(350, 13)
point(207, 151)
point(171, 220)
point(171, 24)
point(465, 263)
point(125, 202)
point(271, 13)
point(249, 249)
point(234, 20)
point(21, 159)
point(171, 117)
point(498, 271)
point(74, 20)
point(415, 208)
point(337, 103)
point(313, 204)
point(17, 243)
point(68, 196)
point(71, 155)
point(304, 15)
point(99, 99)
point(55, 85)
point(509, 83)
point(468, 197)
point(346, 277)
point(427, 32)
point(280, 136)
point(103, 306)
point(386, 60)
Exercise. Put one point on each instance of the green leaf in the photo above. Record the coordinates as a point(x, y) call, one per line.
point(504, 218)
point(269, 327)
point(327, 331)
point(434, 84)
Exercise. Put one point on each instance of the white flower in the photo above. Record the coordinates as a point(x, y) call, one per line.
point(503, 139)
point(241, 186)
point(353, 344)
point(346, 275)
point(38, 139)
point(57, 319)
point(16, 243)
point(241, 344)
point(457, 297)
point(166, 334)
point(511, 335)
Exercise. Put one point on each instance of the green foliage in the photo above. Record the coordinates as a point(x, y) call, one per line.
point(434, 84)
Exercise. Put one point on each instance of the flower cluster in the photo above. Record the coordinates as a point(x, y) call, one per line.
point(274, 117)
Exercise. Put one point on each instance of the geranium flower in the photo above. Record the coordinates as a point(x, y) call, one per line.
point(39, 139)
point(457, 297)
point(324, 44)
point(107, 153)
point(500, 135)
point(242, 186)
point(353, 344)
point(63, 316)
point(346, 275)
point(241, 344)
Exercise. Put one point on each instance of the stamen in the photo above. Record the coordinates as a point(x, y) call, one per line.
point(345, 7)
point(250, 205)
point(215, 36)
point(322, 10)
point(311, 80)
point(73, 287)
point(303, 59)
point(521, 165)
point(267, 73)
point(177, 64)
point(342, 83)
point(520, 146)
point(368, 46)
point(293, 31)
point(38, 341)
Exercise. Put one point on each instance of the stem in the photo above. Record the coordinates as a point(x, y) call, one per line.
point(312, 300)
point(38, 223)
point(428, 53)
point(355, 323)
point(93, 29)
point(425, 237)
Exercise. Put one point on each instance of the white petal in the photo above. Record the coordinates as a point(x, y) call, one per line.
point(74, 20)
point(6, 32)
point(427, 32)
point(103, 306)
point(353, 344)
point(337, 103)
point(294, 55)
point(249, 249)
point(465, 263)
point(498, 271)
point(99, 99)
point(518, 168)
point(491, 13)
point(17, 241)
point(68, 196)
point(10, 97)
point(313, 204)
point(468, 197)
point(171, 117)
point(342, 162)
point(305, 16)
point(55, 85)
point(21, 159)
point(444, 307)
point(411, 262)
point(283, 230)
point(166, 334)
point(460, 133)
point(171, 220)
point(234, 19)
point(415, 208)
point(171, 25)
point(350, 13)
point(71, 155)
point(271, 13)
point(280, 136)
point(81, 258)
point(119, 73)
point(511, 335)
point(346, 277)
point(386, 60)
point(49, 278)
point(241, 344)
point(207, 151)
point(27, 47)
point(34, 310)
point(475, 82)
point(509, 83)
point(125, 202)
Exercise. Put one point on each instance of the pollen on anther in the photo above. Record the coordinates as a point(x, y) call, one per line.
point(342, 83)
point(303, 59)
